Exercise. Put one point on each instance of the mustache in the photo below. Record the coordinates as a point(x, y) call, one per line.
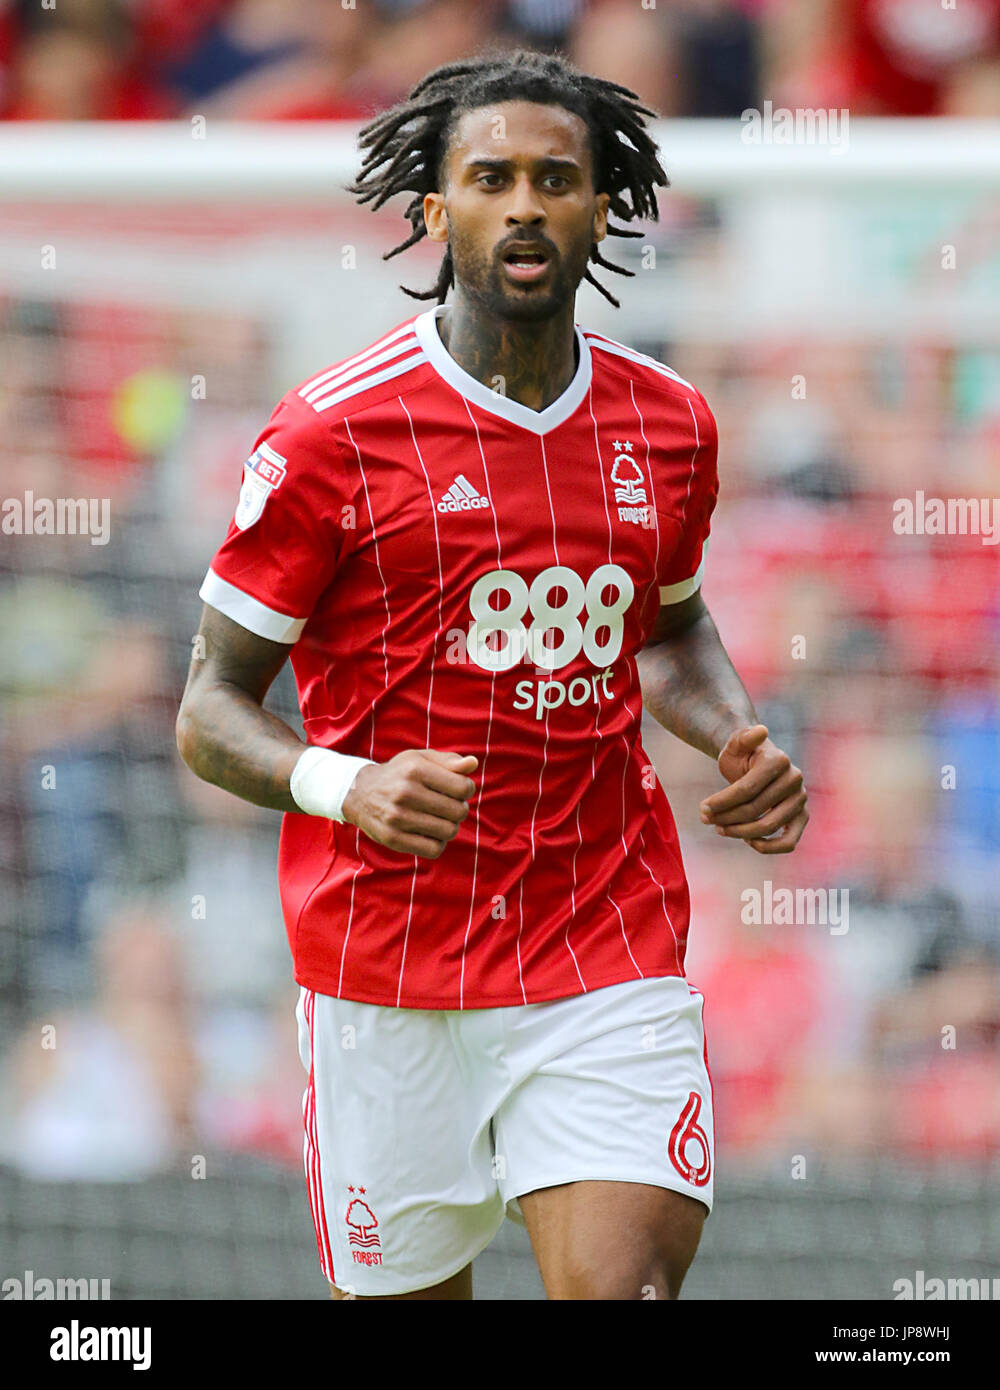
point(524, 243)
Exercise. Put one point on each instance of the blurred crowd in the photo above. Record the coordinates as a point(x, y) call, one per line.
point(141, 942)
point(320, 59)
point(874, 658)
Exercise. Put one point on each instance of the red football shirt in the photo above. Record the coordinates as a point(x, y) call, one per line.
point(453, 570)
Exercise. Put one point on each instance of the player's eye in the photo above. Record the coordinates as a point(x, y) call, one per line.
point(498, 177)
point(556, 182)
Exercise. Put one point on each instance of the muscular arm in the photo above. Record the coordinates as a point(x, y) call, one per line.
point(223, 734)
point(414, 804)
point(689, 685)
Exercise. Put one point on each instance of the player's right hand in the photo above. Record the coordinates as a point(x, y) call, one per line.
point(415, 802)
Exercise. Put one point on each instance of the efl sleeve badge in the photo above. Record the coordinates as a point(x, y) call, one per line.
point(262, 473)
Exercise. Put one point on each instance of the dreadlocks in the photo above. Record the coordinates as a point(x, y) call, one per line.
point(406, 145)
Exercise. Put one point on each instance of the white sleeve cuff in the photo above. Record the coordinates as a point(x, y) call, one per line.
point(249, 612)
point(677, 593)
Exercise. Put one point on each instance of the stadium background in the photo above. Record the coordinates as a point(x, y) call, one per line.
point(138, 907)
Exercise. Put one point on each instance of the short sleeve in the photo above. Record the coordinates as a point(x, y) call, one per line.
point(682, 574)
point(288, 532)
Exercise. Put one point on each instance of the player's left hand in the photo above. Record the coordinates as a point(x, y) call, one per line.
point(766, 794)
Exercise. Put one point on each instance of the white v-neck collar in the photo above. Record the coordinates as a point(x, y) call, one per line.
point(537, 421)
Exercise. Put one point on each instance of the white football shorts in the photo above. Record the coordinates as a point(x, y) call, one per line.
point(424, 1126)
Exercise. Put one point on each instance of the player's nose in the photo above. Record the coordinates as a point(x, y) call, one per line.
point(525, 208)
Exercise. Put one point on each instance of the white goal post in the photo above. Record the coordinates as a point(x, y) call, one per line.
point(886, 235)
point(255, 162)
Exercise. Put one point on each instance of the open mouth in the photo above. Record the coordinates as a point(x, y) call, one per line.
point(525, 264)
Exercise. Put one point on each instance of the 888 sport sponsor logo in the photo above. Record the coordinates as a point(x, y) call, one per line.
point(512, 621)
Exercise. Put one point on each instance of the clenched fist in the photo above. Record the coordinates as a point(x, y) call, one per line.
point(766, 794)
point(415, 802)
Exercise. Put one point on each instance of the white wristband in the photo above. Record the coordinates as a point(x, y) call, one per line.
point(321, 780)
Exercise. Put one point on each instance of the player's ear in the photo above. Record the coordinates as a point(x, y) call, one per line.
point(435, 217)
point(601, 216)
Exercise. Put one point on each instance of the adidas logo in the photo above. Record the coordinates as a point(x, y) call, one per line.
point(461, 497)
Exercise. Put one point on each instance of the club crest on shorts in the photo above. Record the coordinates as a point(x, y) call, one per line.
point(262, 473)
point(687, 1146)
point(366, 1248)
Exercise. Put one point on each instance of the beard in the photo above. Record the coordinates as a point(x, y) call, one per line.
point(482, 277)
